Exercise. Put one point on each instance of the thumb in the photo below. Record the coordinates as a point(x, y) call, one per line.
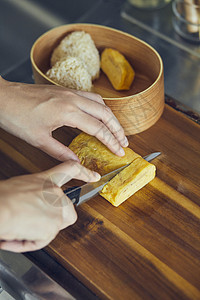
point(60, 175)
point(68, 170)
point(57, 150)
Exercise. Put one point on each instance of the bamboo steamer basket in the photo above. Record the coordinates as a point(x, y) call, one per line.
point(136, 109)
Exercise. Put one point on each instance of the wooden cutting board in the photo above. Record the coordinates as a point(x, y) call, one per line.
point(147, 248)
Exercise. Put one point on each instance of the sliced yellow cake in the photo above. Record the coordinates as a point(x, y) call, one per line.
point(128, 181)
point(97, 157)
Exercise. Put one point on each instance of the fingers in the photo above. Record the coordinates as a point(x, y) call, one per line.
point(24, 246)
point(57, 150)
point(91, 96)
point(69, 217)
point(70, 169)
point(104, 114)
point(61, 174)
point(97, 119)
point(68, 212)
point(93, 126)
point(18, 246)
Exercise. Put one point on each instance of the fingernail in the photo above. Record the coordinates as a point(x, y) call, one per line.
point(96, 175)
point(125, 142)
point(121, 152)
point(76, 159)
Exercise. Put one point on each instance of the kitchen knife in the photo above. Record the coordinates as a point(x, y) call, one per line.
point(85, 192)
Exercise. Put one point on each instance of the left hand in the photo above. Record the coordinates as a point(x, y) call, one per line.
point(33, 112)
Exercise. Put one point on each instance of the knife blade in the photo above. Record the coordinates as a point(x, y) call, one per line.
point(81, 194)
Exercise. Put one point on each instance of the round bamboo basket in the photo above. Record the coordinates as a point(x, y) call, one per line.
point(136, 109)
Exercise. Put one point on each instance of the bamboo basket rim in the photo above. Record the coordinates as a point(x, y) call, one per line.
point(104, 27)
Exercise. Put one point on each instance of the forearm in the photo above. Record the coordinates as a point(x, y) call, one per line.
point(15, 107)
point(5, 213)
point(5, 104)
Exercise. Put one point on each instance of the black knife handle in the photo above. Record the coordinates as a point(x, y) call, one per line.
point(74, 196)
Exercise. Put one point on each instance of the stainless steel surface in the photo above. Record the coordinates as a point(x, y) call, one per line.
point(22, 21)
point(21, 278)
point(181, 58)
point(5, 296)
point(151, 156)
point(24, 280)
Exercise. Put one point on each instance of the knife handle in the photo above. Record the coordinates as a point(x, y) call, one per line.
point(74, 195)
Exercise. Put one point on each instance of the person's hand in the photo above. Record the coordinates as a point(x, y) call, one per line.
point(33, 112)
point(33, 208)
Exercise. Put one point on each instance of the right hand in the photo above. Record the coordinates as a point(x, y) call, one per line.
point(33, 208)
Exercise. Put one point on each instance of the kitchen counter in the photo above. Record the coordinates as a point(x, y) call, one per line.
point(178, 238)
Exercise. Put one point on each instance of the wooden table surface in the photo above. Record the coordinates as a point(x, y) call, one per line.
point(147, 248)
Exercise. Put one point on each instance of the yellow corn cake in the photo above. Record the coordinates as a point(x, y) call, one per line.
point(97, 157)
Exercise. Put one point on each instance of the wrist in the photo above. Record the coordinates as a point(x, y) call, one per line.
point(3, 84)
point(3, 97)
point(2, 80)
point(6, 105)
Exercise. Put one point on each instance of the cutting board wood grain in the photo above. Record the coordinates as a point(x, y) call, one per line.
point(147, 248)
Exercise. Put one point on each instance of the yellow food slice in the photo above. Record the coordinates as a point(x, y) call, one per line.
point(128, 181)
point(97, 157)
point(117, 68)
